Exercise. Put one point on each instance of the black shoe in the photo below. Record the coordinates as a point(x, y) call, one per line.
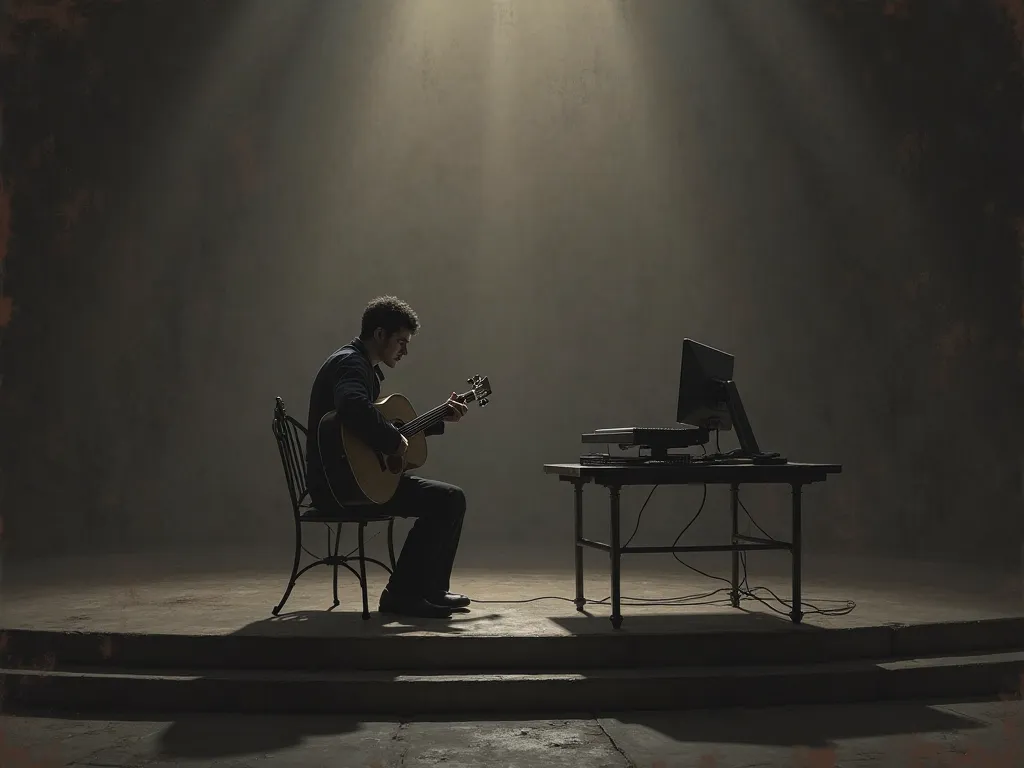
point(449, 600)
point(418, 607)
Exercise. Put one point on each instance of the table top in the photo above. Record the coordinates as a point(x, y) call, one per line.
point(698, 472)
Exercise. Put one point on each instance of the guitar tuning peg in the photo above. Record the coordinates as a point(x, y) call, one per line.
point(469, 381)
point(484, 402)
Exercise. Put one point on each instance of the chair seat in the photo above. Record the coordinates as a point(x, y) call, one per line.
point(314, 515)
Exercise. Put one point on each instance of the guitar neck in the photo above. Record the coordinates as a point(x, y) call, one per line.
point(430, 418)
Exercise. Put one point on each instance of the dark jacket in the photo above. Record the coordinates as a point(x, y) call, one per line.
point(348, 383)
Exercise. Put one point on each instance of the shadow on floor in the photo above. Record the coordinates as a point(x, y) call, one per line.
point(352, 624)
point(804, 726)
point(213, 736)
point(219, 736)
point(728, 620)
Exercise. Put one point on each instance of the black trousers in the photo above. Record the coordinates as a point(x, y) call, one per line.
point(425, 563)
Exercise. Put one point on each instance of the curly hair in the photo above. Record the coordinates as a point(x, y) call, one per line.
point(390, 313)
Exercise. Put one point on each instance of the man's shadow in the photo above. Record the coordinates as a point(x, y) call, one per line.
point(213, 736)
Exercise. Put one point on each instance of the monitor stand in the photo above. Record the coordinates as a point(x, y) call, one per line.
point(749, 449)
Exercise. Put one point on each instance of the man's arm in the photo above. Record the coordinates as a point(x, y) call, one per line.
point(437, 429)
point(353, 400)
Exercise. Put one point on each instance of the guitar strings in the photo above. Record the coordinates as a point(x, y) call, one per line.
point(425, 421)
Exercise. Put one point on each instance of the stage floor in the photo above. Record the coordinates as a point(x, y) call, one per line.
point(172, 595)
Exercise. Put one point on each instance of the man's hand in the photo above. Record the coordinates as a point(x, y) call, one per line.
point(456, 409)
point(402, 447)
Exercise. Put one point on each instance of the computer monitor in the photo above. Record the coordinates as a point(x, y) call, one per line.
point(708, 396)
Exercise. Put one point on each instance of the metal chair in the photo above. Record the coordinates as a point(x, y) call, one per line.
point(291, 437)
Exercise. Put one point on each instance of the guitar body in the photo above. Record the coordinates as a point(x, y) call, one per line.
point(358, 475)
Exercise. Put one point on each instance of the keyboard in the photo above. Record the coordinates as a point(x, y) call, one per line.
point(606, 460)
point(652, 437)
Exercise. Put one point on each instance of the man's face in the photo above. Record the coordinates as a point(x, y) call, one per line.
point(392, 348)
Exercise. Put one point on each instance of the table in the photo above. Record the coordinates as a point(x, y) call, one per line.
point(613, 478)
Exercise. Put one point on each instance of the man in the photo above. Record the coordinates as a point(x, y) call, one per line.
point(349, 382)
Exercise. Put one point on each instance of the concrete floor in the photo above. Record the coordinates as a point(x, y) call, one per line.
point(177, 595)
point(982, 734)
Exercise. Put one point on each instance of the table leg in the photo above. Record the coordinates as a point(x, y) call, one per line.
point(578, 527)
point(616, 559)
point(796, 614)
point(734, 594)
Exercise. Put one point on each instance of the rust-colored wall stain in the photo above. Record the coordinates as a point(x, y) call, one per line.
point(898, 8)
point(66, 18)
point(1015, 10)
point(65, 15)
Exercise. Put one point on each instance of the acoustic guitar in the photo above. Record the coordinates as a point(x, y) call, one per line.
point(359, 475)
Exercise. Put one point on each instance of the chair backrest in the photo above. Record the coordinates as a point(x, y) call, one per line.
point(291, 437)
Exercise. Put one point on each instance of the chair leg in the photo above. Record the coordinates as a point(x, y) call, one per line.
point(391, 542)
point(362, 573)
point(334, 556)
point(295, 569)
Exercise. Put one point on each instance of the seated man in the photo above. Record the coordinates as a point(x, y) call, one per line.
point(349, 382)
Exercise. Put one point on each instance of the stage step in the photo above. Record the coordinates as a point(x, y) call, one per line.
point(400, 693)
point(504, 654)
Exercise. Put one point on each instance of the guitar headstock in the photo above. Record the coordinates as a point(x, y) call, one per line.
point(481, 391)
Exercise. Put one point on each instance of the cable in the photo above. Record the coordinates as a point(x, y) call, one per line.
point(751, 518)
point(639, 515)
point(698, 599)
point(693, 519)
point(810, 608)
point(744, 590)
